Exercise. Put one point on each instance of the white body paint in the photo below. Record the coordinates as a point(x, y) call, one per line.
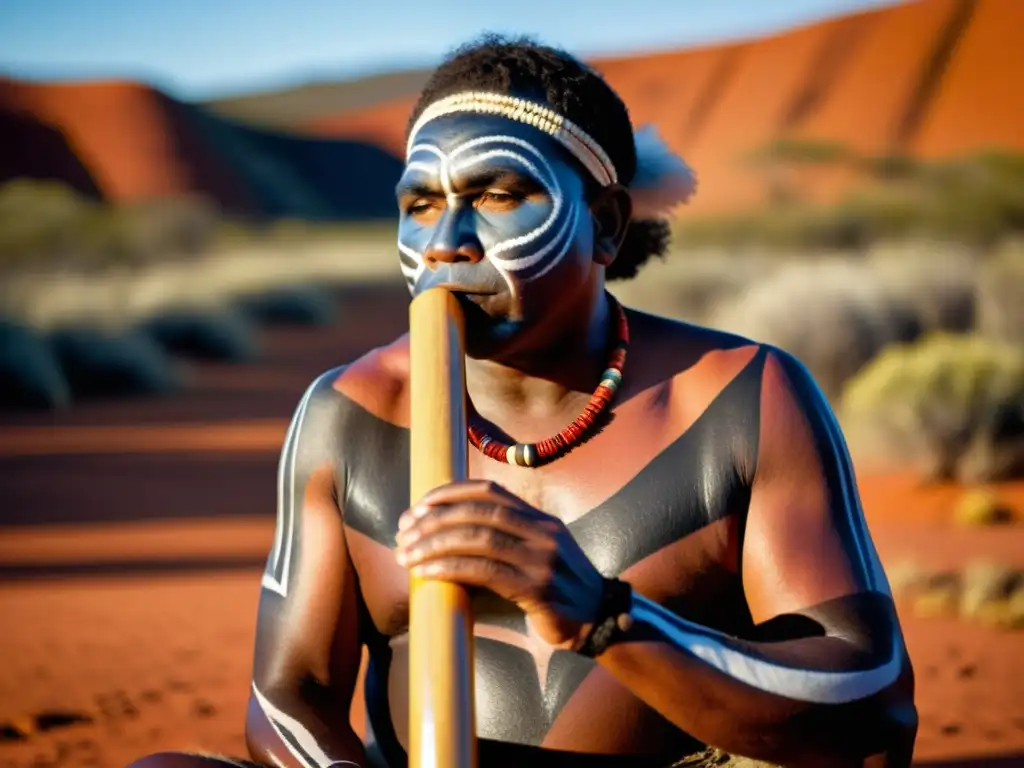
point(815, 686)
point(445, 166)
point(275, 577)
point(280, 720)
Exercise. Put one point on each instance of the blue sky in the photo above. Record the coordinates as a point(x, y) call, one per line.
point(203, 48)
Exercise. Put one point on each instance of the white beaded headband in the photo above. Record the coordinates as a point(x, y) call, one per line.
point(662, 180)
point(566, 132)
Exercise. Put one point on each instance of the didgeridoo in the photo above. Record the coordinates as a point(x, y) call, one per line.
point(442, 719)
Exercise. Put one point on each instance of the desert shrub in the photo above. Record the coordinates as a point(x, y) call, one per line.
point(289, 305)
point(202, 333)
point(30, 375)
point(890, 167)
point(793, 227)
point(936, 282)
point(950, 406)
point(105, 363)
point(936, 594)
point(983, 591)
point(690, 286)
point(981, 506)
point(39, 221)
point(1001, 294)
point(990, 594)
point(834, 315)
point(976, 200)
point(46, 224)
point(803, 152)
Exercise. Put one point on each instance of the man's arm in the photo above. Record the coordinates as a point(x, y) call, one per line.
point(307, 651)
point(827, 681)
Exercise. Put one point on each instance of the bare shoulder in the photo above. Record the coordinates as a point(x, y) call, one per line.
point(697, 359)
point(378, 381)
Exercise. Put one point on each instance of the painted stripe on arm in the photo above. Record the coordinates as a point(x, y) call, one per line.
point(729, 657)
point(294, 735)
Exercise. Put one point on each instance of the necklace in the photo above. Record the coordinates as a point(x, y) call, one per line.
point(535, 454)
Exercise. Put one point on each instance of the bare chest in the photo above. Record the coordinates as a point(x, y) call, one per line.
point(657, 520)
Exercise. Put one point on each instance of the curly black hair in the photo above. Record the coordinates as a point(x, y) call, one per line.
point(551, 76)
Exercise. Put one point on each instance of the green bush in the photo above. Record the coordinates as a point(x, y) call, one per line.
point(950, 406)
point(203, 334)
point(98, 363)
point(30, 375)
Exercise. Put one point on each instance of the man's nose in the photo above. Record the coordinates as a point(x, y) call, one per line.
point(468, 252)
point(455, 240)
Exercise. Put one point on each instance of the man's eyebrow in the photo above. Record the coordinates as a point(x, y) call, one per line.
point(415, 186)
point(484, 176)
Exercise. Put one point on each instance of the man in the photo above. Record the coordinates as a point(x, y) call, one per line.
point(661, 532)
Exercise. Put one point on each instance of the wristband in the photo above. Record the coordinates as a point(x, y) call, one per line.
point(613, 620)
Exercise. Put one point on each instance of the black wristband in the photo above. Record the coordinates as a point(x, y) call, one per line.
point(613, 620)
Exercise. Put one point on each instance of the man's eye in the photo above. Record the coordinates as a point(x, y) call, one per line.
point(420, 207)
point(499, 197)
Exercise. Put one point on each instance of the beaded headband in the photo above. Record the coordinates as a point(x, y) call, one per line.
point(662, 179)
point(563, 130)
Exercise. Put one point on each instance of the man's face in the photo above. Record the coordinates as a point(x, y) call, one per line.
point(495, 211)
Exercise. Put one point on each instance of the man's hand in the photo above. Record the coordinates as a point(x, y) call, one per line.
point(477, 533)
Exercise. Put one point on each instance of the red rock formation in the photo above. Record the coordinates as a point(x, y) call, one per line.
point(930, 78)
point(135, 142)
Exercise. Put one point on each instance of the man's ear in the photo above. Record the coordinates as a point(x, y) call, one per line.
point(611, 210)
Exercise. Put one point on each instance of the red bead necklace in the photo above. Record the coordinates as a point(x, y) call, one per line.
point(535, 454)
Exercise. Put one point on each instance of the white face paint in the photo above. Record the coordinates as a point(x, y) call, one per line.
point(522, 244)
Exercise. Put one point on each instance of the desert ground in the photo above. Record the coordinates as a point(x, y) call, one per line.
point(134, 533)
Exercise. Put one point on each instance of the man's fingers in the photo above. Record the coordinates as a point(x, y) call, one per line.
point(501, 578)
point(468, 490)
point(465, 540)
point(421, 522)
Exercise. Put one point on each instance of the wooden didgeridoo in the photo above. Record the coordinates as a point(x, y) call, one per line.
point(442, 717)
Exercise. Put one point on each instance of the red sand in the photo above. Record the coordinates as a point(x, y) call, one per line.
point(132, 537)
point(162, 662)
